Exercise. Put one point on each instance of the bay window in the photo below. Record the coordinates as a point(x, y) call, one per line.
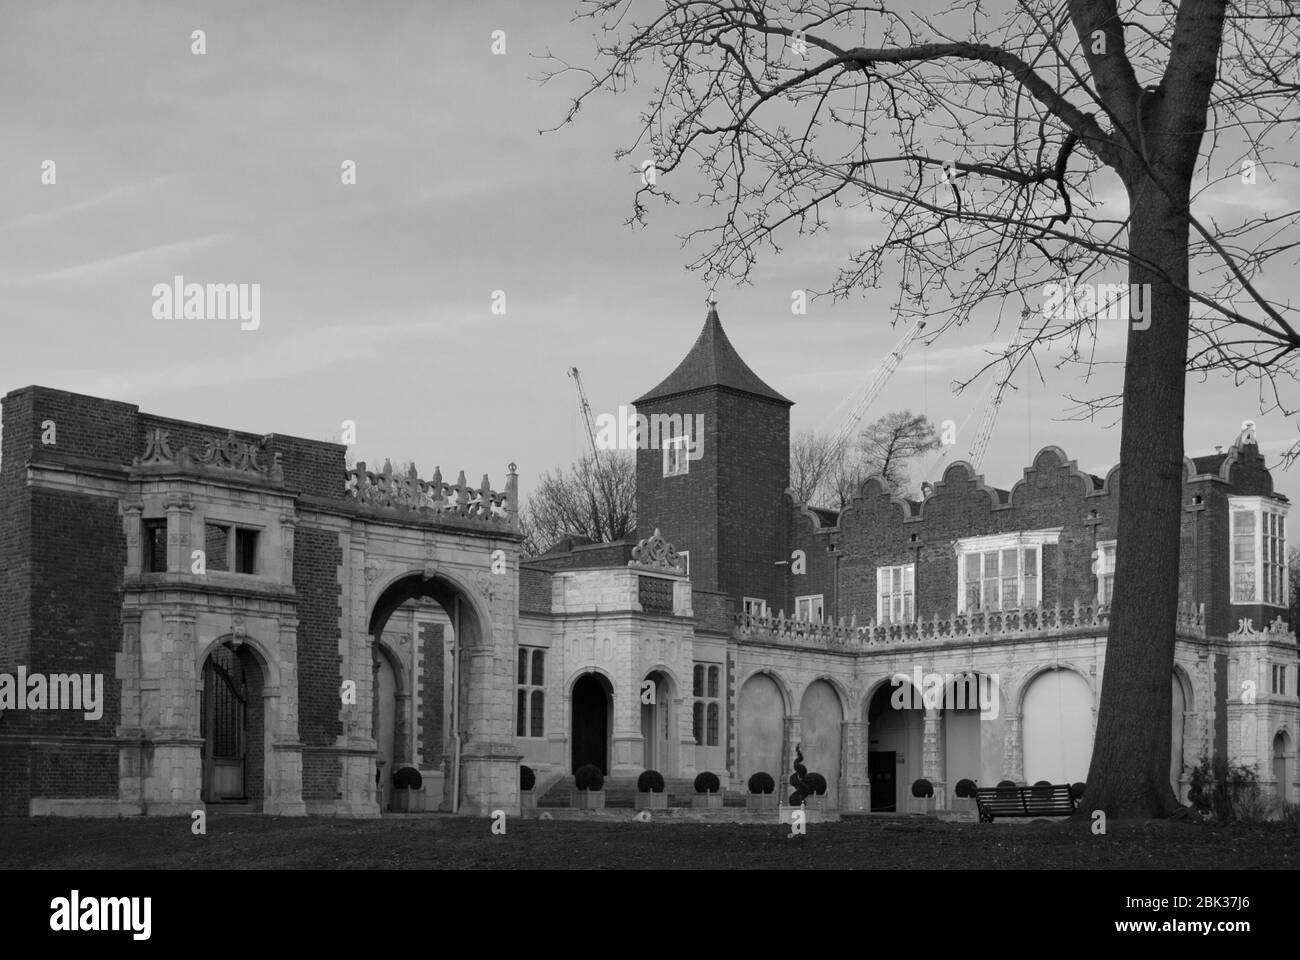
point(1002, 572)
point(1258, 550)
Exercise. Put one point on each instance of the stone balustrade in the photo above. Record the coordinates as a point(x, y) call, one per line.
point(409, 493)
point(1028, 623)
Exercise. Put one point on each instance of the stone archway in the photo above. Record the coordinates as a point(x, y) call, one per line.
point(1283, 768)
point(232, 725)
point(445, 726)
point(659, 736)
point(591, 701)
point(895, 716)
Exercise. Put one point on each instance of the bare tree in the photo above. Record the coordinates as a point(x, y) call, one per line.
point(892, 442)
point(596, 499)
point(813, 458)
point(826, 474)
point(1008, 147)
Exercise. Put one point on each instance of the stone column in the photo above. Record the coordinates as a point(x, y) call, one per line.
point(284, 757)
point(356, 742)
point(855, 787)
point(180, 510)
point(1013, 762)
point(170, 704)
point(931, 761)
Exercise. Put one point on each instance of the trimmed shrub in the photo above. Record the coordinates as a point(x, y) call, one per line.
point(922, 789)
point(965, 788)
point(1006, 788)
point(1076, 790)
point(762, 783)
point(650, 781)
point(589, 777)
point(527, 779)
point(818, 783)
point(1042, 790)
point(707, 782)
point(404, 777)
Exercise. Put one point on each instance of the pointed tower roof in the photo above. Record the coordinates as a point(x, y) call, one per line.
point(712, 362)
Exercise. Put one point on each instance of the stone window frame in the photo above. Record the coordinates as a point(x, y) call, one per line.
point(530, 693)
point(1103, 566)
point(819, 606)
point(233, 529)
point(707, 710)
point(748, 602)
point(685, 557)
point(1268, 573)
point(1279, 679)
point(677, 462)
point(1000, 543)
point(907, 593)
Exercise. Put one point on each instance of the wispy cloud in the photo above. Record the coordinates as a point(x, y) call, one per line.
point(98, 269)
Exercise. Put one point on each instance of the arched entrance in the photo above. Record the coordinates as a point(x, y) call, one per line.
point(658, 721)
point(895, 728)
point(592, 702)
point(1283, 766)
point(232, 726)
point(1178, 714)
point(1057, 727)
point(445, 684)
point(821, 722)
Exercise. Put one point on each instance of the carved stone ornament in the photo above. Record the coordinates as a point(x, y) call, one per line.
point(229, 454)
point(657, 553)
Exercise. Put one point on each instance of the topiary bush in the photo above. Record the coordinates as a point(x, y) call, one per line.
point(404, 777)
point(589, 777)
point(1076, 790)
point(922, 789)
point(707, 782)
point(965, 788)
point(1041, 790)
point(527, 779)
point(650, 781)
point(1006, 788)
point(762, 783)
point(818, 784)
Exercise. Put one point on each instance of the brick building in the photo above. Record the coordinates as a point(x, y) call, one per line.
point(279, 632)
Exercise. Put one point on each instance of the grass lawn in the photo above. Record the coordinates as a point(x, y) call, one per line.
point(237, 842)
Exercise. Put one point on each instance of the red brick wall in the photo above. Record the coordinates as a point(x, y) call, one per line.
point(431, 729)
point(534, 590)
point(316, 560)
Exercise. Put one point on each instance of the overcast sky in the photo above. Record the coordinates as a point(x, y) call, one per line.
point(376, 297)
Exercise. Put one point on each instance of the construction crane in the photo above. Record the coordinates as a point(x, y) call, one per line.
point(981, 441)
point(875, 385)
point(585, 408)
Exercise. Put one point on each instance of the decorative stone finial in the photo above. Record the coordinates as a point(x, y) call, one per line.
point(656, 552)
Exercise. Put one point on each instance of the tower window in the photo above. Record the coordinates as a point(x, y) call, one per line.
point(1258, 545)
point(676, 462)
point(154, 544)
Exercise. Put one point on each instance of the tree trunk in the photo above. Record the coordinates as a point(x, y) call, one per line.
point(1129, 773)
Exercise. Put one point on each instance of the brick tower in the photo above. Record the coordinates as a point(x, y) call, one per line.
point(721, 499)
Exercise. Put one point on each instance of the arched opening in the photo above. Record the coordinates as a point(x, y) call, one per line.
point(415, 626)
point(1178, 714)
point(1057, 727)
point(592, 702)
point(232, 724)
point(1283, 767)
point(760, 719)
point(385, 722)
point(658, 723)
point(966, 699)
point(821, 724)
point(895, 727)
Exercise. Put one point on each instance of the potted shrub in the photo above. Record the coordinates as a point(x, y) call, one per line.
point(408, 795)
point(815, 799)
point(1041, 790)
point(707, 792)
point(964, 796)
point(590, 782)
point(762, 792)
point(922, 799)
point(650, 791)
point(527, 780)
point(1007, 788)
point(1076, 790)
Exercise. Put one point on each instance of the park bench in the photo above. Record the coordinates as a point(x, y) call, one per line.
point(1042, 801)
